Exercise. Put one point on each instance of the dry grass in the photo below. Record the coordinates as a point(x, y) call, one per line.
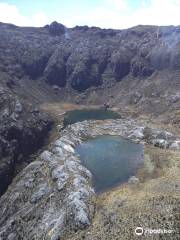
point(153, 203)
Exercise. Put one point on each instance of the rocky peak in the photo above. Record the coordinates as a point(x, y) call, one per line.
point(56, 28)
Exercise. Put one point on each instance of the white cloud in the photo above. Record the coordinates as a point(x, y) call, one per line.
point(157, 12)
point(110, 14)
point(106, 15)
point(120, 5)
point(118, 14)
point(39, 19)
point(151, 12)
point(10, 14)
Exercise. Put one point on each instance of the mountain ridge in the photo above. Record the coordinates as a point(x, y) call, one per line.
point(137, 67)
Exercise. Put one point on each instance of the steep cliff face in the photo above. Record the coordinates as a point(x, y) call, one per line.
point(80, 57)
point(76, 61)
point(23, 130)
point(139, 66)
point(135, 70)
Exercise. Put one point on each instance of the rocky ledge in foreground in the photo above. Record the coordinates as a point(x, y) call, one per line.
point(52, 197)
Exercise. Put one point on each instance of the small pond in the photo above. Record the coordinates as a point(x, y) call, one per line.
point(88, 114)
point(111, 160)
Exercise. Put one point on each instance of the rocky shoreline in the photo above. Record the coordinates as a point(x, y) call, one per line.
point(53, 197)
point(48, 195)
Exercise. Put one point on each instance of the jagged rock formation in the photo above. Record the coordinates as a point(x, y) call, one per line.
point(138, 67)
point(81, 56)
point(23, 130)
point(52, 197)
point(143, 60)
point(34, 59)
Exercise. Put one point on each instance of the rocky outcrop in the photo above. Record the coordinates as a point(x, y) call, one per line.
point(55, 71)
point(85, 66)
point(85, 76)
point(34, 63)
point(83, 57)
point(127, 128)
point(56, 28)
point(141, 67)
point(55, 193)
point(174, 98)
point(53, 197)
point(87, 53)
point(120, 61)
point(22, 131)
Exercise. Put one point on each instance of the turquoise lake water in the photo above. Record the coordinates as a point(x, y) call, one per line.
point(111, 160)
point(88, 114)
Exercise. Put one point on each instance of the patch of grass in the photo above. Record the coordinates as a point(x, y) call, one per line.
point(153, 203)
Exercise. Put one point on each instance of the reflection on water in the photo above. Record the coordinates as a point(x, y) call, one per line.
point(111, 160)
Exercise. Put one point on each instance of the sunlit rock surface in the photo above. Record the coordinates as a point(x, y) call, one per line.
point(52, 196)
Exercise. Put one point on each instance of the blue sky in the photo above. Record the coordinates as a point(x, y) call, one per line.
point(102, 13)
point(51, 7)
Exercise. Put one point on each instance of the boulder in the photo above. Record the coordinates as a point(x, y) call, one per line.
point(18, 107)
point(175, 145)
point(162, 143)
point(174, 98)
point(133, 180)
